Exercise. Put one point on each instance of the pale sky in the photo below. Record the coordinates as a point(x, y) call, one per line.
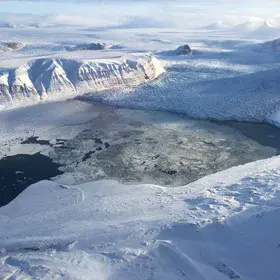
point(138, 6)
point(196, 11)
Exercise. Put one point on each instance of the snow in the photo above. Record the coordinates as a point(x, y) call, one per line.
point(238, 84)
point(192, 85)
point(247, 26)
point(216, 25)
point(43, 79)
point(270, 28)
point(223, 226)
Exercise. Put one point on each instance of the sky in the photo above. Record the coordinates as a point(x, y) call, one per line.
point(175, 11)
point(138, 6)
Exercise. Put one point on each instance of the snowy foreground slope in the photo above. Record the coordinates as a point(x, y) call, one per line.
point(224, 226)
point(43, 79)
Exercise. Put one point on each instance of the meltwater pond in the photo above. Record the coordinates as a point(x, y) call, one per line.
point(130, 146)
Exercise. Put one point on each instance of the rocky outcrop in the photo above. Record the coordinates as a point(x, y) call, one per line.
point(62, 78)
point(183, 50)
point(90, 47)
point(93, 47)
point(10, 46)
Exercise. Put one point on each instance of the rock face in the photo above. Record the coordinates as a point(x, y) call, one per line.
point(91, 46)
point(10, 46)
point(63, 78)
point(183, 50)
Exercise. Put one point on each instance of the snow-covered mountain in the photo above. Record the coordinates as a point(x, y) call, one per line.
point(44, 79)
point(269, 28)
point(247, 26)
point(252, 27)
point(219, 24)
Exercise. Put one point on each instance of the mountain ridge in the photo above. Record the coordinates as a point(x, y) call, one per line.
point(49, 78)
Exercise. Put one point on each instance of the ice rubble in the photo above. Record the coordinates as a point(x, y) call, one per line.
point(43, 79)
point(224, 226)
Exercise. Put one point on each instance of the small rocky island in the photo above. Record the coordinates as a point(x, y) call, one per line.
point(183, 50)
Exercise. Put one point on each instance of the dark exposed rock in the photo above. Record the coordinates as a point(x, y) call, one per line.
point(183, 50)
point(11, 46)
point(91, 46)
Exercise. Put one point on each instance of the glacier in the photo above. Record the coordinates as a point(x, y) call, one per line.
point(225, 81)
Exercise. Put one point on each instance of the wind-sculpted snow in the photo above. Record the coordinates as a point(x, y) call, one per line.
point(224, 226)
point(64, 78)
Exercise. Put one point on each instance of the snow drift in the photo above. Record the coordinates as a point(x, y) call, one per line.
point(44, 79)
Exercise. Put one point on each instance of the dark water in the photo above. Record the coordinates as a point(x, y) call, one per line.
point(263, 133)
point(19, 171)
